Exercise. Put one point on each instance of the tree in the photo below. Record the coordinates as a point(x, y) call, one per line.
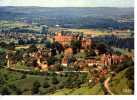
point(34, 63)
point(117, 52)
point(51, 89)
point(2, 58)
point(102, 48)
point(32, 48)
point(54, 80)
point(59, 47)
point(75, 45)
point(23, 76)
point(90, 53)
point(35, 87)
point(59, 67)
point(13, 87)
point(83, 77)
point(2, 80)
point(53, 52)
point(130, 76)
point(21, 42)
point(60, 85)
point(67, 82)
point(46, 84)
point(3, 45)
point(51, 60)
point(5, 91)
point(18, 55)
point(11, 46)
point(18, 91)
point(47, 44)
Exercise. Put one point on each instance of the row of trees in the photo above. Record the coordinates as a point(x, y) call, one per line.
point(9, 46)
point(49, 85)
point(116, 41)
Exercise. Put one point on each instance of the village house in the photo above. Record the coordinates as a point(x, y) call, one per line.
point(64, 62)
point(41, 63)
point(86, 42)
point(108, 59)
point(90, 61)
point(67, 53)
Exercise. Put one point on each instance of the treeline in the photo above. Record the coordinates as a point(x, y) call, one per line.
point(116, 41)
point(19, 30)
point(98, 17)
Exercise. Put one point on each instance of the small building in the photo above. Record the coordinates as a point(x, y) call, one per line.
point(68, 51)
point(86, 42)
point(64, 62)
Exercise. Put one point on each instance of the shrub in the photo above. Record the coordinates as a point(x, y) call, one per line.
point(60, 85)
point(54, 80)
point(5, 91)
point(23, 76)
point(51, 89)
point(46, 84)
point(35, 88)
point(18, 91)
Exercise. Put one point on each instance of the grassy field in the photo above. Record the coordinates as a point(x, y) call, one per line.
point(89, 31)
point(27, 83)
point(22, 47)
point(96, 90)
point(22, 25)
point(119, 84)
point(85, 31)
point(18, 47)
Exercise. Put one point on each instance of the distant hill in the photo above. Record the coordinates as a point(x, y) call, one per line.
point(71, 17)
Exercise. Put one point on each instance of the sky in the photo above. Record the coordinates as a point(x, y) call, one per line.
point(69, 3)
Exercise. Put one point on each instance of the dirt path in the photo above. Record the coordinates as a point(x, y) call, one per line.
point(106, 85)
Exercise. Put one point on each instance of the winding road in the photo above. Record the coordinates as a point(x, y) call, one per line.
point(106, 85)
point(57, 72)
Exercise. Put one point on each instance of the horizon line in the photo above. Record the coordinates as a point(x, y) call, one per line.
point(69, 6)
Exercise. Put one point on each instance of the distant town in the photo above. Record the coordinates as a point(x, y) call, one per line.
point(56, 60)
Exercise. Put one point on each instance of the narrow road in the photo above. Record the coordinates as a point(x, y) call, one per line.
point(106, 85)
point(106, 82)
point(57, 72)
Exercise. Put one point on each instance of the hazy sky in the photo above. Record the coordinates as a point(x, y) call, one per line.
point(69, 3)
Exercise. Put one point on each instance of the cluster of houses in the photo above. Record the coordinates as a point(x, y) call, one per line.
point(104, 59)
point(40, 61)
